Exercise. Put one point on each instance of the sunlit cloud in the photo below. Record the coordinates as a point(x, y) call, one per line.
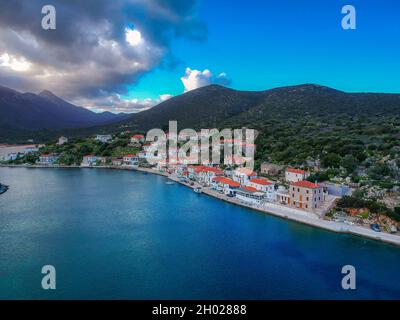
point(94, 52)
point(117, 104)
point(194, 79)
point(14, 63)
point(133, 37)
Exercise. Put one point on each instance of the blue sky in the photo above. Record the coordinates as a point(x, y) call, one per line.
point(263, 44)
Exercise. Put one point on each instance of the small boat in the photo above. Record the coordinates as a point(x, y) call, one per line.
point(3, 188)
point(170, 182)
point(376, 227)
point(198, 189)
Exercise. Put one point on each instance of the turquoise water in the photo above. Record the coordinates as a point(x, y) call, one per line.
point(126, 235)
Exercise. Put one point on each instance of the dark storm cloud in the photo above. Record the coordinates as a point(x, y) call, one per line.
point(87, 56)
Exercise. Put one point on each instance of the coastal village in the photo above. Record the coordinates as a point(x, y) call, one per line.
point(272, 188)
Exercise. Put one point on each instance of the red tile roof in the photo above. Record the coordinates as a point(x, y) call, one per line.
point(212, 169)
point(261, 181)
point(298, 171)
point(246, 171)
point(138, 136)
point(227, 181)
point(305, 184)
point(249, 189)
point(197, 169)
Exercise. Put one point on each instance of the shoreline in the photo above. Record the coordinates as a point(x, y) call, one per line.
point(269, 208)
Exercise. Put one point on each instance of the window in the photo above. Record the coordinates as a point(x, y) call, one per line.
point(307, 199)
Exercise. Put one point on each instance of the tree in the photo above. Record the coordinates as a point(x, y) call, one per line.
point(331, 160)
point(349, 163)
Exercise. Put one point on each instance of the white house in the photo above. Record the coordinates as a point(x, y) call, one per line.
point(194, 172)
point(89, 160)
point(243, 175)
point(137, 138)
point(207, 174)
point(142, 155)
point(104, 138)
point(250, 195)
point(296, 175)
point(117, 161)
point(263, 185)
point(11, 156)
point(131, 160)
point(62, 140)
point(225, 185)
point(47, 159)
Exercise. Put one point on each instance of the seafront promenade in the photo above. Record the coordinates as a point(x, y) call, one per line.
point(267, 208)
point(295, 214)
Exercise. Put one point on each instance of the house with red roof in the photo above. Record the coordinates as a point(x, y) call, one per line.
point(250, 195)
point(263, 185)
point(243, 175)
point(207, 174)
point(194, 172)
point(225, 185)
point(295, 175)
point(137, 138)
point(306, 195)
point(89, 160)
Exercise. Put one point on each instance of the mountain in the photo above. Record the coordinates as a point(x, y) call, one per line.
point(31, 112)
point(217, 106)
point(207, 107)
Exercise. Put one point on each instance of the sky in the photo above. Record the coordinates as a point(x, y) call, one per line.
point(130, 55)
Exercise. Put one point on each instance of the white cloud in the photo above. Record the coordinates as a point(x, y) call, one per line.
point(133, 37)
point(14, 63)
point(194, 79)
point(165, 97)
point(115, 103)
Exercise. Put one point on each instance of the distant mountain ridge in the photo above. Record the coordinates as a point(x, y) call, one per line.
point(217, 106)
point(32, 112)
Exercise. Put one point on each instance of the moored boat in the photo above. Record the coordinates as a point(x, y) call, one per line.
point(3, 188)
point(198, 189)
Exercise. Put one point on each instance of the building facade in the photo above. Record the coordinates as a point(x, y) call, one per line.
point(295, 175)
point(306, 195)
